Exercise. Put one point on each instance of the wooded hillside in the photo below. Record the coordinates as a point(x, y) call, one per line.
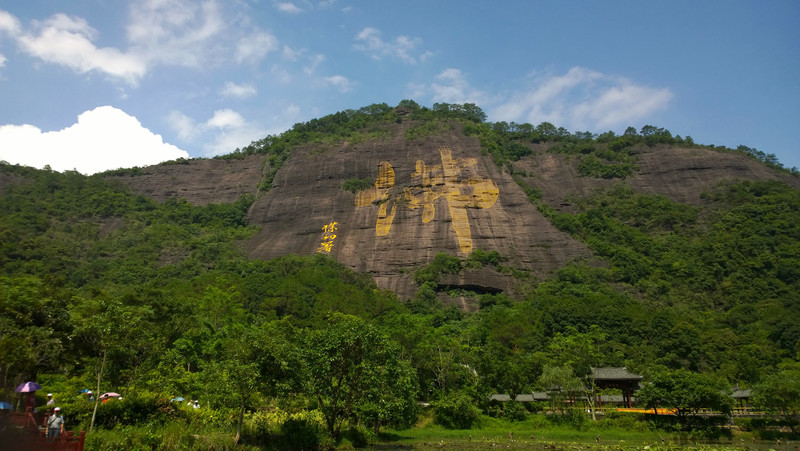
point(211, 280)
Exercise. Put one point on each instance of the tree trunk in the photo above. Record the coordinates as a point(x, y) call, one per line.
point(97, 392)
point(239, 427)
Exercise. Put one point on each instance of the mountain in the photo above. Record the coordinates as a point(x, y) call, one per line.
point(482, 257)
point(428, 186)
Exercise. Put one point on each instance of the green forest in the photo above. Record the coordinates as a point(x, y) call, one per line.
point(106, 290)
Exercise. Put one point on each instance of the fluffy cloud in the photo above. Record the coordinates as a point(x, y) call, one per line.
point(239, 91)
point(288, 7)
point(226, 119)
point(183, 125)
point(222, 133)
point(68, 41)
point(451, 86)
point(369, 40)
point(178, 32)
point(102, 139)
point(185, 33)
point(9, 23)
point(254, 47)
point(339, 82)
point(582, 99)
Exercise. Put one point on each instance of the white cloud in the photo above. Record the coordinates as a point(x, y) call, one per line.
point(226, 118)
point(339, 82)
point(370, 41)
point(452, 87)
point(103, 138)
point(582, 99)
point(314, 62)
point(290, 54)
point(178, 32)
point(620, 105)
point(231, 131)
point(68, 41)
point(288, 7)
point(255, 47)
point(9, 23)
point(187, 33)
point(225, 131)
point(3, 60)
point(239, 91)
point(185, 126)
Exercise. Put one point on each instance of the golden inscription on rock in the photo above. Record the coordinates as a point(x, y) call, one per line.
point(327, 238)
point(436, 181)
point(380, 193)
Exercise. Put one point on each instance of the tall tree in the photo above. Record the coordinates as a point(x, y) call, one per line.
point(780, 392)
point(350, 363)
point(684, 392)
point(111, 333)
point(254, 362)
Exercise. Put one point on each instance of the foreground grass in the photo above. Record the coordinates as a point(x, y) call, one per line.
point(537, 433)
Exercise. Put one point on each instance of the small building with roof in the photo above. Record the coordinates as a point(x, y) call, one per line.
point(617, 378)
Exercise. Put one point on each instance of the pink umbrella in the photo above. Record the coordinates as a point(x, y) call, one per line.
point(27, 387)
point(112, 395)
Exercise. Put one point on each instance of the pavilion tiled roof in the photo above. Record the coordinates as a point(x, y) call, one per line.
point(614, 373)
point(741, 393)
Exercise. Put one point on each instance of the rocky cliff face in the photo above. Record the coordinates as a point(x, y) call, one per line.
point(200, 182)
point(430, 195)
point(434, 195)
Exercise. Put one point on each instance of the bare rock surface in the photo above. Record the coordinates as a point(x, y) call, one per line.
point(200, 182)
point(681, 174)
point(307, 196)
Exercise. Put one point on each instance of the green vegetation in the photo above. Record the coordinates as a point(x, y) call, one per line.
point(355, 185)
point(426, 129)
point(105, 290)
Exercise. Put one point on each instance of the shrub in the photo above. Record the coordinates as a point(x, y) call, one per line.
point(359, 436)
point(455, 411)
point(514, 411)
point(355, 185)
point(304, 431)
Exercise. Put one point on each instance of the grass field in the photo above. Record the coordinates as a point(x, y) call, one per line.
point(535, 433)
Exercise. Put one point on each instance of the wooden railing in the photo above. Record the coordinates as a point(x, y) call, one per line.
point(21, 431)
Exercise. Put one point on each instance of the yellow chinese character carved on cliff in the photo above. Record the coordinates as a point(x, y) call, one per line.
point(327, 236)
point(437, 181)
point(380, 193)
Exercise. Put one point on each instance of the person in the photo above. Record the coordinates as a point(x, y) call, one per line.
point(196, 404)
point(55, 424)
point(50, 400)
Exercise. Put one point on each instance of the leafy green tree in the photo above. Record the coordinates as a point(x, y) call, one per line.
point(33, 327)
point(561, 385)
point(112, 333)
point(392, 399)
point(347, 366)
point(779, 392)
point(581, 352)
point(685, 392)
point(254, 362)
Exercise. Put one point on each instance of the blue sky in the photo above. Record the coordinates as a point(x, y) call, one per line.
point(94, 85)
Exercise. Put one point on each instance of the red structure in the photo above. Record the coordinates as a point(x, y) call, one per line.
point(20, 431)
